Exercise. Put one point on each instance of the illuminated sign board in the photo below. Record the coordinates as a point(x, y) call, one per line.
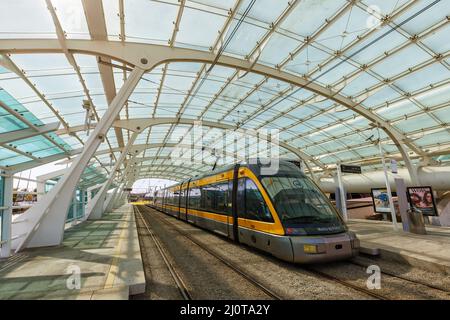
point(421, 198)
point(350, 169)
point(380, 200)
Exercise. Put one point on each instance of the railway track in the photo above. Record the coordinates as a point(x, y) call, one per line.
point(182, 288)
point(311, 269)
point(371, 292)
point(393, 275)
point(346, 284)
point(220, 258)
point(318, 273)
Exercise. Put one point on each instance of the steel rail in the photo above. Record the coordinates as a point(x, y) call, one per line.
point(226, 262)
point(176, 277)
point(346, 284)
point(256, 282)
point(393, 275)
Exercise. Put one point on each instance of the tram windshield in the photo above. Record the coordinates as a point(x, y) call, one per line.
point(301, 205)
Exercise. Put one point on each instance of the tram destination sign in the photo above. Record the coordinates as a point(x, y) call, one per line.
point(350, 168)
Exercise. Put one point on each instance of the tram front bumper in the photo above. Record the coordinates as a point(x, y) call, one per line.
point(324, 248)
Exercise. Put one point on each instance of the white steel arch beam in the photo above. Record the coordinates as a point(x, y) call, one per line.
point(143, 123)
point(43, 224)
point(95, 19)
point(169, 170)
point(140, 124)
point(95, 208)
point(189, 169)
point(156, 175)
point(169, 159)
point(132, 53)
point(168, 176)
point(163, 175)
point(138, 148)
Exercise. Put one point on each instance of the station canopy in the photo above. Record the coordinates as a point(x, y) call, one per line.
point(389, 59)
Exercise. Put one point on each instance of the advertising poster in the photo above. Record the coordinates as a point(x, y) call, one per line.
point(422, 198)
point(380, 200)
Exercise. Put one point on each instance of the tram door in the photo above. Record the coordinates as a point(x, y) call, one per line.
point(183, 214)
point(252, 210)
point(233, 227)
point(229, 209)
point(180, 200)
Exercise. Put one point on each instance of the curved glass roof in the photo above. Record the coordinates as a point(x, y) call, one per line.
point(390, 57)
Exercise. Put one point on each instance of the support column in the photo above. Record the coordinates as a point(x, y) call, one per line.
point(125, 182)
point(129, 184)
point(110, 200)
point(403, 206)
point(109, 205)
point(117, 201)
point(342, 193)
point(89, 192)
point(388, 188)
point(5, 250)
point(124, 194)
point(96, 207)
point(45, 221)
point(117, 195)
point(74, 208)
point(412, 170)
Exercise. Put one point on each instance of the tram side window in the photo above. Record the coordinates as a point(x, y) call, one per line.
point(176, 198)
point(221, 201)
point(214, 198)
point(182, 198)
point(194, 198)
point(251, 204)
point(207, 201)
point(240, 199)
point(256, 207)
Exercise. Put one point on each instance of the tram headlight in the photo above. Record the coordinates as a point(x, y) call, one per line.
point(310, 248)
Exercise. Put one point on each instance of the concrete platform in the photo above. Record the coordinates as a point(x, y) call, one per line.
point(106, 252)
point(430, 252)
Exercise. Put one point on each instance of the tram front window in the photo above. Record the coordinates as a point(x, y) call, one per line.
point(301, 206)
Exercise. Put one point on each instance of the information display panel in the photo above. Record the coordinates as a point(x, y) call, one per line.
point(345, 168)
